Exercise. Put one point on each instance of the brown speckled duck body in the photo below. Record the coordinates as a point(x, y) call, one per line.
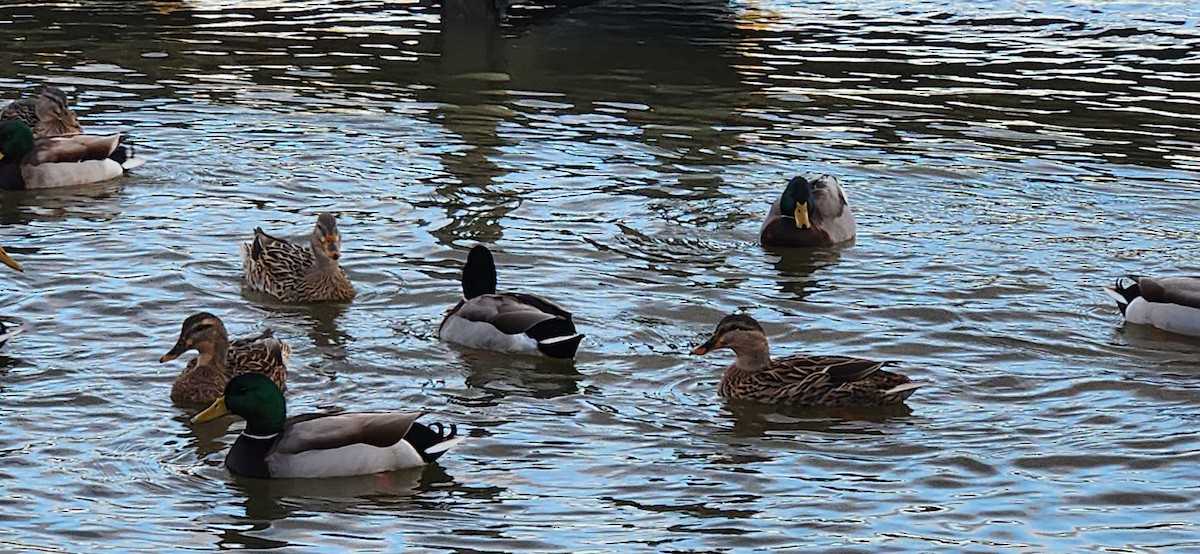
point(205, 377)
point(800, 380)
point(294, 273)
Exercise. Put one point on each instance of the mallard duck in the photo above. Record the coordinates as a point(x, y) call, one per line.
point(48, 114)
point(800, 380)
point(320, 445)
point(205, 376)
point(294, 273)
point(506, 322)
point(809, 214)
point(26, 163)
point(1171, 304)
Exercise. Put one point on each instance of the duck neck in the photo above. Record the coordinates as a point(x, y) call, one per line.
point(752, 356)
point(322, 264)
point(213, 355)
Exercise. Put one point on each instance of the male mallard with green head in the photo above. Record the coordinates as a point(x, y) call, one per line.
point(809, 213)
point(28, 163)
point(802, 379)
point(320, 445)
point(204, 378)
point(294, 273)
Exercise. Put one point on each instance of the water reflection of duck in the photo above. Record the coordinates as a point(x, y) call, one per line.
point(796, 267)
point(800, 380)
point(755, 419)
point(52, 162)
point(808, 213)
point(320, 445)
point(535, 377)
point(1171, 304)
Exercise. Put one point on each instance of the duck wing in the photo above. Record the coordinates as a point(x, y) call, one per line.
point(329, 431)
point(1184, 291)
point(74, 148)
point(510, 314)
point(263, 354)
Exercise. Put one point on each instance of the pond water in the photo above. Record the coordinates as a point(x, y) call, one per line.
point(1004, 160)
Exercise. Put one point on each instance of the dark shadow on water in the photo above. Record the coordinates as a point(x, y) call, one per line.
point(321, 318)
point(796, 266)
point(1152, 338)
point(502, 375)
point(753, 419)
point(269, 500)
point(100, 202)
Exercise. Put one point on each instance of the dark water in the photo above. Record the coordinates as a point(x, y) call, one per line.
point(1005, 161)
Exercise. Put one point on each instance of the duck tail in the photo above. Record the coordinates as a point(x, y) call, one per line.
point(433, 440)
point(1124, 293)
point(905, 390)
point(563, 347)
point(556, 337)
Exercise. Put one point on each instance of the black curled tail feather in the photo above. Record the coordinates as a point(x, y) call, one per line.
point(424, 437)
point(556, 337)
point(121, 154)
point(1125, 294)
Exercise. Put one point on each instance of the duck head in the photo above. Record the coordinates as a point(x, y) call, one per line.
point(204, 333)
point(326, 241)
point(796, 202)
point(742, 334)
point(254, 398)
point(16, 140)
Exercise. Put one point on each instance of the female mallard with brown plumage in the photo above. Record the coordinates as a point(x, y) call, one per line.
point(320, 445)
point(294, 273)
point(48, 114)
point(204, 378)
point(29, 163)
point(809, 213)
point(801, 380)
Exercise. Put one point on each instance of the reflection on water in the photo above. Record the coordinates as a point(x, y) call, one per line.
point(536, 377)
point(1007, 161)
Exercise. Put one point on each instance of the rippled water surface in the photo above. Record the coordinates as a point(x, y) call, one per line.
point(1005, 161)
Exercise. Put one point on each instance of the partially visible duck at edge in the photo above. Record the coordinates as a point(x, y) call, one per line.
point(809, 213)
point(7, 332)
point(48, 114)
point(1171, 304)
point(54, 162)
